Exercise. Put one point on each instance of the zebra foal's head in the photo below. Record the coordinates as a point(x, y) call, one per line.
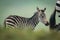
point(42, 16)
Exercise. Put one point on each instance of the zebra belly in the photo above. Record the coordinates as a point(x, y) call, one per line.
point(25, 26)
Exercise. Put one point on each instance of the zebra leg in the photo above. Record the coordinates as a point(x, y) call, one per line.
point(58, 27)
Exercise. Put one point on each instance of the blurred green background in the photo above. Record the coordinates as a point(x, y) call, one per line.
point(26, 8)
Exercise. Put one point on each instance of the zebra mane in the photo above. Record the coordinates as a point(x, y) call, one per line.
point(35, 14)
point(34, 18)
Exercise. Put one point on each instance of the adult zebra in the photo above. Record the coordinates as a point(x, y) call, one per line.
point(53, 24)
point(22, 22)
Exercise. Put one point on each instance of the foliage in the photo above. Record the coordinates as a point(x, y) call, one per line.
point(17, 34)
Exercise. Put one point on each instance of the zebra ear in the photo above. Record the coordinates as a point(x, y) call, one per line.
point(44, 9)
point(38, 9)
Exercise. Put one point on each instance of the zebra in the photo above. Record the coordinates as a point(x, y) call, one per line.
point(53, 24)
point(21, 22)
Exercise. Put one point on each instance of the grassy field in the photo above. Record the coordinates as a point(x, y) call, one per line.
point(17, 34)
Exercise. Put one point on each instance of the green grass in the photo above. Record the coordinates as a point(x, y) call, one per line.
point(17, 34)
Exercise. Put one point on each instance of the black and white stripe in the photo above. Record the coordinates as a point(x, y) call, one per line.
point(53, 24)
point(58, 6)
point(17, 21)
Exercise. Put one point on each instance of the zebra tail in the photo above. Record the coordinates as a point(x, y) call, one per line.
point(52, 20)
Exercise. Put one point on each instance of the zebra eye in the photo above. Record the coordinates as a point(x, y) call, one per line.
point(42, 16)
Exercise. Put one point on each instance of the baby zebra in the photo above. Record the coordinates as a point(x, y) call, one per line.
point(22, 22)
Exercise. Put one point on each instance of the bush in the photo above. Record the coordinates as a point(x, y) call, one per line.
point(17, 34)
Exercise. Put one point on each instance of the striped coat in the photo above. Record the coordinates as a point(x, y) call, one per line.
point(17, 21)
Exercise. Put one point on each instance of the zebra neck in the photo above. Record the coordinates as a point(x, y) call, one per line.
point(34, 19)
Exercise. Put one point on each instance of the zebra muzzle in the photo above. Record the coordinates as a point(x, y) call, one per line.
point(47, 24)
